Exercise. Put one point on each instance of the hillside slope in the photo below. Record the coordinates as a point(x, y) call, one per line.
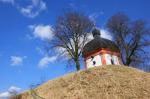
point(106, 82)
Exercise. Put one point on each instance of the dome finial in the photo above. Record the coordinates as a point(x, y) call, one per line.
point(96, 32)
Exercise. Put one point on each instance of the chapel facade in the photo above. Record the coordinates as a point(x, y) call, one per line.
point(100, 51)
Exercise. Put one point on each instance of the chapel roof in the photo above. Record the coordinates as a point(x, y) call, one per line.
point(98, 43)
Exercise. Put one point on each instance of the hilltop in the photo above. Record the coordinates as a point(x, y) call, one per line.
point(106, 82)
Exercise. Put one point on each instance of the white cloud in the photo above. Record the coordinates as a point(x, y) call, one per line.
point(17, 60)
point(95, 16)
point(13, 90)
point(44, 32)
point(34, 9)
point(106, 34)
point(5, 95)
point(31, 10)
point(46, 60)
point(7, 1)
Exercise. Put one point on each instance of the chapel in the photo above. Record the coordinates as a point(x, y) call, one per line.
point(100, 51)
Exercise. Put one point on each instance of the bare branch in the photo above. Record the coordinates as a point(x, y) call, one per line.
point(131, 37)
point(71, 31)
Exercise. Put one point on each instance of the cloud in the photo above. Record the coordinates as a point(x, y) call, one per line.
point(4, 95)
point(44, 32)
point(31, 8)
point(95, 15)
point(106, 34)
point(7, 1)
point(17, 60)
point(46, 60)
point(60, 53)
point(13, 90)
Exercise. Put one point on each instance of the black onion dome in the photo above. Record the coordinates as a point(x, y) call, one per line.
point(96, 32)
point(99, 42)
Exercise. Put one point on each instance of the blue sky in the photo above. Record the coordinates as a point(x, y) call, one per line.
point(22, 60)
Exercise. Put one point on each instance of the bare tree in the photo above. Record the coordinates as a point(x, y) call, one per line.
point(71, 31)
point(131, 37)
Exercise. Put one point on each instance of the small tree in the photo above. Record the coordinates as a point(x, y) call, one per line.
point(71, 31)
point(131, 37)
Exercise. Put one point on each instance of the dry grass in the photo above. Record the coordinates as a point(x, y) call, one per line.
point(107, 82)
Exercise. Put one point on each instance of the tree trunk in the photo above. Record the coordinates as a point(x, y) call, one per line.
point(128, 61)
point(77, 65)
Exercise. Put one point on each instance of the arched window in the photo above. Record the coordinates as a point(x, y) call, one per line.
point(94, 62)
point(112, 61)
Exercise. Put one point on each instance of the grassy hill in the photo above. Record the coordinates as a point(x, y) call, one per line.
point(106, 82)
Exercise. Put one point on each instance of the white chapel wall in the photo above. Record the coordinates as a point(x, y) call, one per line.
point(115, 59)
point(108, 59)
point(90, 61)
